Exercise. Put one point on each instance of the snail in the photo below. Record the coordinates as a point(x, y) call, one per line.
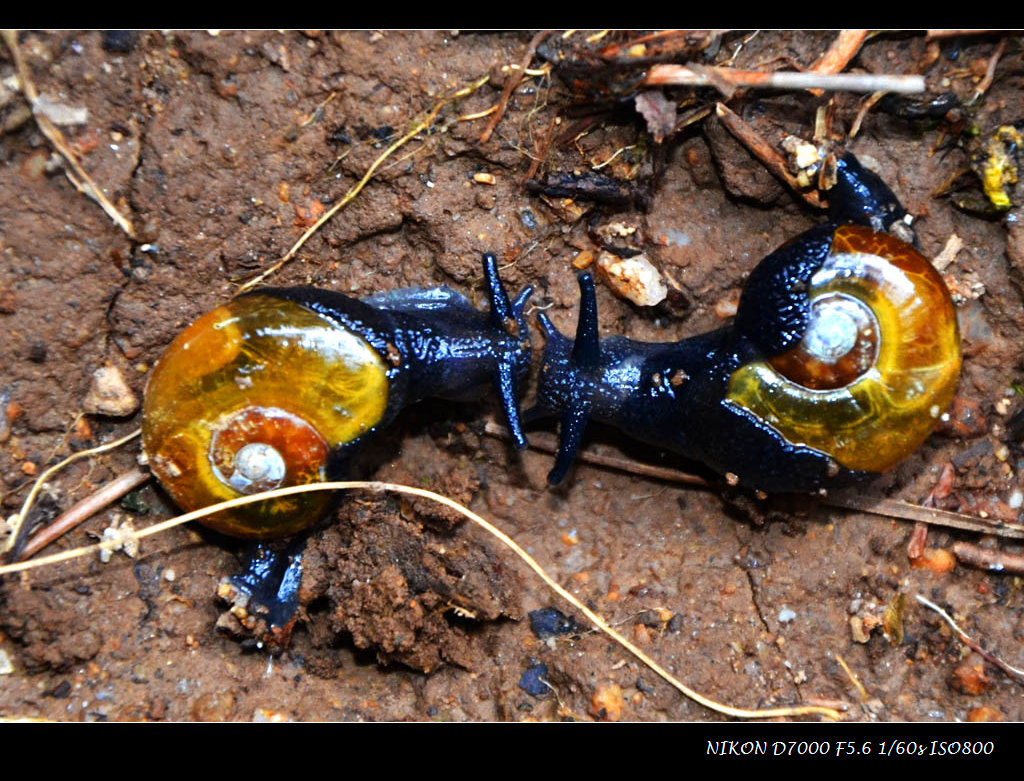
point(842, 357)
point(282, 386)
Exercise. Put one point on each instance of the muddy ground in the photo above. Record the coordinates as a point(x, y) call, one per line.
point(222, 148)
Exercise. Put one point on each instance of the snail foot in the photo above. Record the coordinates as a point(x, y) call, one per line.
point(263, 600)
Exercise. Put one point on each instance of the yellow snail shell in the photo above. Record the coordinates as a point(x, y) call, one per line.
point(879, 363)
point(256, 395)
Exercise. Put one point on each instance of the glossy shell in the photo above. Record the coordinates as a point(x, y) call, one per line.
point(874, 405)
point(255, 395)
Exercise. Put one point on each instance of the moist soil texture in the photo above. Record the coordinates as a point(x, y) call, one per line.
point(222, 147)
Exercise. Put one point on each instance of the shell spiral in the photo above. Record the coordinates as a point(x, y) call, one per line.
point(878, 364)
point(258, 394)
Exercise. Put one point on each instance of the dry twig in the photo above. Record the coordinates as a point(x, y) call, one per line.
point(764, 152)
point(85, 509)
point(974, 646)
point(30, 499)
point(77, 175)
point(991, 560)
point(510, 84)
point(548, 443)
point(930, 515)
point(843, 49)
point(889, 508)
point(728, 80)
point(990, 71)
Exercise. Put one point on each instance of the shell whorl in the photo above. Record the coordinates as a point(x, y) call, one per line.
point(254, 395)
point(878, 364)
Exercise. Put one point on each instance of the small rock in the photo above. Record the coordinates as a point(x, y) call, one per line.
point(268, 716)
point(60, 113)
point(633, 278)
point(120, 41)
point(606, 703)
point(970, 677)
point(214, 706)
point(938, 560)
point(550, 622)
point(110, 395)
point(533, 680)
point(984, 713)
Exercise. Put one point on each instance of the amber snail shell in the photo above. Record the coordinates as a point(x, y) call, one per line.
point(252, 396)
point(281, 388)
point(843, 356)
point(878, 364)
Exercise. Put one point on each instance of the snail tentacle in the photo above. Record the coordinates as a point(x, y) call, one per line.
point(283, 386)
point(842, 356)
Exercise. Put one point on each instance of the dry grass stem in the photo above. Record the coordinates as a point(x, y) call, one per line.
point(418, 127)
point(853, 678)
point(504, 539)
point(1014, 672)
point(37, 487)
point(77, 175)
point(85, 509)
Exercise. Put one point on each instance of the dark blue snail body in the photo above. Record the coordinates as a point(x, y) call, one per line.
point(843, 354)
point(282, 386)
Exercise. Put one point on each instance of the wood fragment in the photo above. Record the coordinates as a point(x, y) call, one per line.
point(843, 49)
point(764, 152)
point(991, 560)
point(85, 509)
point(728, 80)
point(510, 84)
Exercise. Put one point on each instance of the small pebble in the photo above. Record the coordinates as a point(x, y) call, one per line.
point(549, 622)
point(606, 703)
point(110, 395)
point(970, 677)
point(533, 680)
point(633, 278)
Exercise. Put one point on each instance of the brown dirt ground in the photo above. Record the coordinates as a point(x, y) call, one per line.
point(201, 140)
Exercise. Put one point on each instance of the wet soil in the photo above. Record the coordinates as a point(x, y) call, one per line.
point(222, 148)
